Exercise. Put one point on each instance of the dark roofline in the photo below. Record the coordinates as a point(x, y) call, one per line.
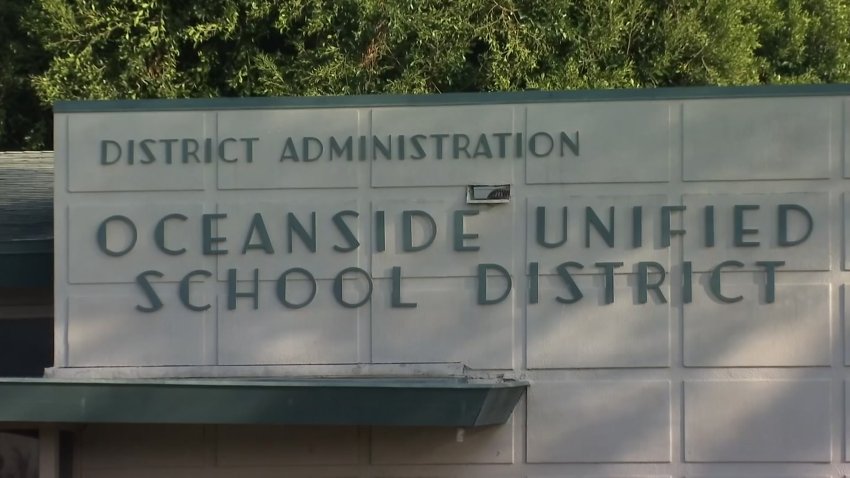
point(26, 196)
point(447, 99)
point(26, 219)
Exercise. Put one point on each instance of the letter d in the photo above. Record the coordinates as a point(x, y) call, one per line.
point(104, 151)
point(482, 283)
point(783, 210)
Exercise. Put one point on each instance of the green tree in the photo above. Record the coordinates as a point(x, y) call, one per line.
point(24, 121)
point(104, 49)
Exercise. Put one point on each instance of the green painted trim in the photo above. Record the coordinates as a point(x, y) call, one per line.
point(271, 382)
point(446, 99)
point(384, 402)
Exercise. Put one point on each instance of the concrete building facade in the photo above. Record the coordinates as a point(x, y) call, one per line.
point(661, 272)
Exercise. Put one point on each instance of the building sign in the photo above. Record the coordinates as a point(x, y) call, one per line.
point(198, 234)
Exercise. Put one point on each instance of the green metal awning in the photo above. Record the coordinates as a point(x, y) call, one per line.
point(327, 401)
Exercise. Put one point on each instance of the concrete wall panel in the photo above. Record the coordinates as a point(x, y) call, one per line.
point(599, 422)
point(105, 319)
point(758, 421)
point(592, 334)
point(86, 172)
point(792, 331)
point(447, 324)
point(89, 264)
point(321, 332)
point(759, 213)
point(642, 131)
point(471, 166)
point(584, 243)
point(745, 139)
point(275, 165)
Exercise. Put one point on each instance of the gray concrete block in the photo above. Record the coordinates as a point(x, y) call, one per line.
point(274, 128)
point(469, 120)
point(599, 422)
point(447, 325)
point(86, 151)
point(438, 256)
point(588, 334)
point(108, 330)
point(584, 244)
point(757, 138)
point(611, 139)
point(792, 331)
point(814, 253)
point(288, 249)
point(88, 264)
point(758, 421)
point(321, 332)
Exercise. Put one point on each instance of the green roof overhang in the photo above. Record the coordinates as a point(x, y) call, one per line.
point(446, 402)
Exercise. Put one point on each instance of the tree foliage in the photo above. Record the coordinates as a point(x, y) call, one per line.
point(102, 49)
point(24, 120)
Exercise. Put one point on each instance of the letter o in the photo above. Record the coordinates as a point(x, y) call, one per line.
point(101, 235)
point(338, 287)
point(281, 288)
point(532, 144)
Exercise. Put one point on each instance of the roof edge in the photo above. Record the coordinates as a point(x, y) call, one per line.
point(448, 99)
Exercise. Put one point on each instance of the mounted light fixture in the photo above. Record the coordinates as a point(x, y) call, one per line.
point(488, 194)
